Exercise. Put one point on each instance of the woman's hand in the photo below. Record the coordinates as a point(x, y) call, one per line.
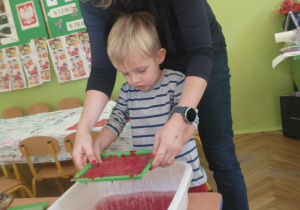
point(169, 141)
point(83, 150)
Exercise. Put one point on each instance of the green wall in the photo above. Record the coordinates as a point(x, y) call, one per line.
point(249, 29)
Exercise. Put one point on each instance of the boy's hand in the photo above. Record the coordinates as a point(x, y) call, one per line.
point(169, 141)
point(97, 150)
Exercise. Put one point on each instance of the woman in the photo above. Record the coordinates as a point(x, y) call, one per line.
point(196, 46)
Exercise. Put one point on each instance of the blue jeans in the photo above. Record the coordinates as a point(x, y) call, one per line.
point(215, 130)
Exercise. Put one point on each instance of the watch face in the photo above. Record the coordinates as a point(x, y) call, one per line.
point(191, 115)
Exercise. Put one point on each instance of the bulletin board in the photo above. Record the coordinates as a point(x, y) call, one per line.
point(25, 21)
point(36, 33)
point(62, 17)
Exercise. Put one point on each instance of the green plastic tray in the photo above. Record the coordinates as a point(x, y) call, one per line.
point(33, 206)
point(113, 178)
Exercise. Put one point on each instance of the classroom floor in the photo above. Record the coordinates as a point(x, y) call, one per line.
point(270, 163)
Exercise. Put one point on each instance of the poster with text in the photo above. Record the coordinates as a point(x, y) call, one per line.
point(63, 17)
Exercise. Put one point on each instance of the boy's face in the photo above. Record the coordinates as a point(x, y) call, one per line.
point(142, 73)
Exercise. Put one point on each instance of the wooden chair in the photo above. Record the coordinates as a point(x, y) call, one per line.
point(11, 185)
point(12, 112)
point(44, 145)
point(199, 146)
point(38, 108)
point(69, 142)
point(68, 103)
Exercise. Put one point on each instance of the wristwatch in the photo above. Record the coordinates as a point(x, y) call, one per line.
point(188, 113)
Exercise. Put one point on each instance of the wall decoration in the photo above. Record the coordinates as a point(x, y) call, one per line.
point(29, 61)
point(85, 47)
point(15, 68)
point(51, 3)
point(79, 67)
point(5, 80)
point(63, 18)
point(43, 58)
point(60, 59)
point(8, 32)
point(27, 15)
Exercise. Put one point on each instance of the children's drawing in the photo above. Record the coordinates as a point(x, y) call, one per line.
point(5, 80)
point(79, 67)
point(60, 59)
point(14, 67)
point(29, 60)
point(85, 47)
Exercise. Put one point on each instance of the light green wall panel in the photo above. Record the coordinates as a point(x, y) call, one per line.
point(295, 66)
point(249, 31)
point(256, 87)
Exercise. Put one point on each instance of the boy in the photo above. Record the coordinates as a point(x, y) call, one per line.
point(149, 95)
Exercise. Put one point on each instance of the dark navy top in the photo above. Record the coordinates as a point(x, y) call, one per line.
point(188, 30)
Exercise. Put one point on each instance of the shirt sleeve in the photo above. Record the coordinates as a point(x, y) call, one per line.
point(119, 115)
point(192, 17)
point(103, 73)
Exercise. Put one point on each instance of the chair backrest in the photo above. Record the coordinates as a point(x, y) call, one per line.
point(10, 185)
point(38, 145)
point(68, 103)
point(12, 112)
point(38, 108)
point(69, 142)
point(70, 139)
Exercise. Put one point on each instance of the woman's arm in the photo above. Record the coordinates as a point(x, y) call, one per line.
point(100, 83)
point(193, 21)
point(94, 103)
point(170, 139)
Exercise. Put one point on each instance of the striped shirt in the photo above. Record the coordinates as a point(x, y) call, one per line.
point(148, 111)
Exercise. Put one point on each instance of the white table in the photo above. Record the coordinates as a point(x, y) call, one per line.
point(54, 124)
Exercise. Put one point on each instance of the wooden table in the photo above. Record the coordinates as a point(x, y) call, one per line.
point(203, 201)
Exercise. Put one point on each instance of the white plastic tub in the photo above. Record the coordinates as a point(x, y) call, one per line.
point(176, 177)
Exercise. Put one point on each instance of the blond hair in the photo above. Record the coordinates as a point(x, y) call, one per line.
point(133, 35)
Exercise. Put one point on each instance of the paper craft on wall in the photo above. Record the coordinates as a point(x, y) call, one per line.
point(5, 80)
point(59, 58)
point(15, 68)
point(67, 58)
point(86, 48)
point(8, 32)
point(79, 67)
point(29, 62)
point(63, 17)
point(42, 57)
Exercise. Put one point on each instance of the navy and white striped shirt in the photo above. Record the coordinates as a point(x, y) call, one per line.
point(148, 111)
